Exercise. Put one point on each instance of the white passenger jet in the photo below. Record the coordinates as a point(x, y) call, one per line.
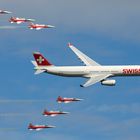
point(93, 71)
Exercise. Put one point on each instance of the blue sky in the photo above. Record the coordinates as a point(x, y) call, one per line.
point(107, 31)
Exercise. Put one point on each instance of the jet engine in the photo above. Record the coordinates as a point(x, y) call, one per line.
point(108, 82)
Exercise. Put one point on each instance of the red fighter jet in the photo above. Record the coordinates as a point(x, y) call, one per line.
point(39, 127)
point(19, 20)
point(67, 100)
point(5, 12)
point(39, 26)
point(53, 113)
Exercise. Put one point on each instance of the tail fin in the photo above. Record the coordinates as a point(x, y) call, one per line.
point(41, 60)
point(59, 98)
point(44, 112)
point(30, 125)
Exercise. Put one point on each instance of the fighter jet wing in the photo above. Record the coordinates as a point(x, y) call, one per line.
point(66, 102)
point(38, 129)
point(84, 58)
point(38, 28)
point(53, 115)
point(18, 22)
point(95, 79)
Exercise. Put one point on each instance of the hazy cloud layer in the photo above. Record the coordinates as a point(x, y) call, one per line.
point(119, 19)
point(106, 112)
point(122, 108)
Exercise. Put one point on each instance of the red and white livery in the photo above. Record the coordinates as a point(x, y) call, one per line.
point(19, 20)
point(5, 12)
point(39, 26)
point(93, 71)
point(54, 113)
point(39, 127)
point(67, 100)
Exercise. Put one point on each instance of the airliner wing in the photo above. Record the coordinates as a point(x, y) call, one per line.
point(95, 79)
point(84, 58)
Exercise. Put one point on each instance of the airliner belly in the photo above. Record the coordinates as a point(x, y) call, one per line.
point(68, 71)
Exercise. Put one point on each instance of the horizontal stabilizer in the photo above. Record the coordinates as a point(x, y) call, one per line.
point(34, 63)
point(39, 71)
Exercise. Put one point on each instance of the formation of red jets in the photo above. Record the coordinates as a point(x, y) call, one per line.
point(53, 113)
point(18, 20)
point(59, 99)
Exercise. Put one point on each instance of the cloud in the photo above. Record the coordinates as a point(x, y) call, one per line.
point(116, 19)
point(22, 101)
point(15, 114)
point(52, 136)
point(9, 27)
point(122, 108)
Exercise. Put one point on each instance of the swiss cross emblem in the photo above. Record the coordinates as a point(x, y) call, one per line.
point(40, 60)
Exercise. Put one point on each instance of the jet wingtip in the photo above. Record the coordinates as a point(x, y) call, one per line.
point(81, 86)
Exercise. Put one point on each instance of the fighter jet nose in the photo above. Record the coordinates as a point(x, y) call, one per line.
point(50, 26)
point(52, 126)
point(67, 112)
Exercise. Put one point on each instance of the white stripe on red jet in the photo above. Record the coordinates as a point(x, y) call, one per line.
point(19, 20)
point(39, 26)
point(67, 100)
point(53, 113)
point(39, 127)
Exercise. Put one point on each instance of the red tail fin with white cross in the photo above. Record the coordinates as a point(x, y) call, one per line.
point(41, 60)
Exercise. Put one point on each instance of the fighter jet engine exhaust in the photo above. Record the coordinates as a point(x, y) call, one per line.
point(12, 27)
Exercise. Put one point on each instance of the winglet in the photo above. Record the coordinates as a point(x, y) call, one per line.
point(69, 44)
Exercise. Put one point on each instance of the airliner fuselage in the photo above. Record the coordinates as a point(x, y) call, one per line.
point(93, 71)
point(87, 71)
